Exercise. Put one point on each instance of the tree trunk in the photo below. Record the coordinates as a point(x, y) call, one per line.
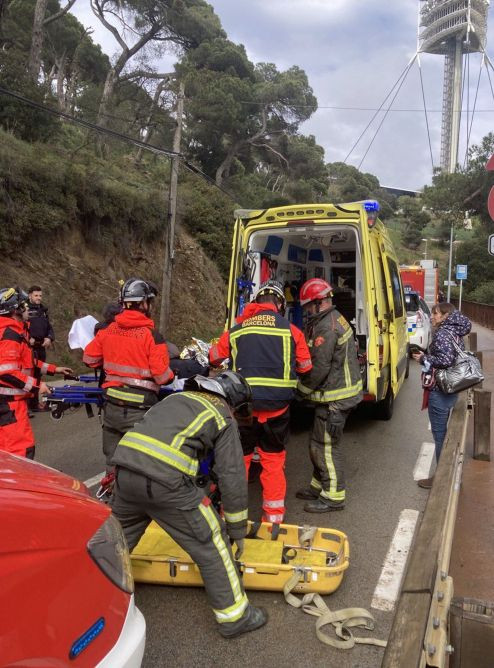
point(61, 71)
point(149, 119)
point(37, 39)
point(225, 166)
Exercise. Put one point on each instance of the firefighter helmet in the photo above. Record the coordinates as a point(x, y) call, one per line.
point(229, 385)
point(137, 290)
point(314, 289)
point(274, 288)
point(12, 299)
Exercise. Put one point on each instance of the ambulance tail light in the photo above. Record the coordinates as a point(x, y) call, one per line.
point(420, 319)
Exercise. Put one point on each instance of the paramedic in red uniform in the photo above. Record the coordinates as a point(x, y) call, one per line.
point(17, 379)
point(134, 357)
point(269, 352)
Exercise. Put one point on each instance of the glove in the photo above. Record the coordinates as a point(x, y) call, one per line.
point(335, 423)
point(240, 548)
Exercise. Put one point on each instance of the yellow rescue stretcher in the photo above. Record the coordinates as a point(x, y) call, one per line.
point(272, 555)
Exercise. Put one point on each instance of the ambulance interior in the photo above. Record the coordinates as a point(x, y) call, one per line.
point(292, 256)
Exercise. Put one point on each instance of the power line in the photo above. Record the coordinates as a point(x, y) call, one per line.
point(116, 135)
point(403, 79)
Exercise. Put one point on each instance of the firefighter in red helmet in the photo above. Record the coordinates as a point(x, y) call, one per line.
point(134, 357)
point(269, 352)
point(334, 386)
point(17, 379)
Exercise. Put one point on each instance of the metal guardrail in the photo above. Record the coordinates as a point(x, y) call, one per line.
point(483, 314)
point(419, 634)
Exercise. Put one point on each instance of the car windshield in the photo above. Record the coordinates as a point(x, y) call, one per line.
point(412, 302)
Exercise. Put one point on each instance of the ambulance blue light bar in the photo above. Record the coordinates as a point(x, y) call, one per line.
point(372, 207)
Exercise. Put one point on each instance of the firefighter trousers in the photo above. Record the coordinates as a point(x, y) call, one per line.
point(190, 519)
point(117, 420)
point(328, 477)
point(270, 438)
point(16, 434)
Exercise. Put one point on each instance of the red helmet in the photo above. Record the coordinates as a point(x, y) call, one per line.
point(313, 290)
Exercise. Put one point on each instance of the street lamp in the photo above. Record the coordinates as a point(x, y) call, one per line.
point(425, 253)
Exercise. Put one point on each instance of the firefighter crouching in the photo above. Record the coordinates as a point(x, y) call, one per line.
point(134, 357)
point(334, 385)
point(156, 465)
point(268, 351)
point(17, 380)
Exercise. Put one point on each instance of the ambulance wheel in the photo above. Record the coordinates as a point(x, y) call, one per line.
point(407, 370)
point(384, 408)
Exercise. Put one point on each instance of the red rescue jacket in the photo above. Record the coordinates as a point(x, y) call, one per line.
point(17, 362)
point(131, 352)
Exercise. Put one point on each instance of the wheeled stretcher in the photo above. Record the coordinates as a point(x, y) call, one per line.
point(272, 555)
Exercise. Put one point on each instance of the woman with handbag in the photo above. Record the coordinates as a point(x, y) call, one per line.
point(450, 326)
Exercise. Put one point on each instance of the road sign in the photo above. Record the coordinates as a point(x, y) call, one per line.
point(452, 283)
point(461, 272)
point(490, 246)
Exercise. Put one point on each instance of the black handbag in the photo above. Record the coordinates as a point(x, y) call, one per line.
point(464, 373)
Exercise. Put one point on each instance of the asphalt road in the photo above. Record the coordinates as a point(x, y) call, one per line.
point(380, 459)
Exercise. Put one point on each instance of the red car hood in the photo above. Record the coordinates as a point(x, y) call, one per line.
point(23, 474)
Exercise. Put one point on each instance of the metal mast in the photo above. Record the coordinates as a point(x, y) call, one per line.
point(452, 28)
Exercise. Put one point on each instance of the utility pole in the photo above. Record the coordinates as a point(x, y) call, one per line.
point(172, 212)
point(448, 298)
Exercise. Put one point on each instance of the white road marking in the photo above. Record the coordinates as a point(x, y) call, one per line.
point(388, 586)
point(95, 480)
point(424, 461)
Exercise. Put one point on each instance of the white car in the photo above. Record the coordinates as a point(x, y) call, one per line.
point(418, 320)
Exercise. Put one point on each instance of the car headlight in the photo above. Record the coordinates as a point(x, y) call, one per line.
point(108, 548)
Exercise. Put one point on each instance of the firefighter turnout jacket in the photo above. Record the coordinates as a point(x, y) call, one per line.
point(335, 374)
point(132, 353)
point(268, 351)
point(178, 432)
point(16, 384)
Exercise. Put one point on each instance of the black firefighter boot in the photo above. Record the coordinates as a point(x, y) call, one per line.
point(321, 505)
point(252, 619)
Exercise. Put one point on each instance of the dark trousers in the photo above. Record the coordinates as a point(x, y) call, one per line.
point(440, 406)
point(39, 353)
point(117, 420)
point(194, 524)
point(328, 477)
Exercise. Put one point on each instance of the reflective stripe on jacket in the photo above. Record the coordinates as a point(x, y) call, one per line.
point(16, 360)
point(131, 353)
point(335, 375)
point(268, 351)
point(176, 434)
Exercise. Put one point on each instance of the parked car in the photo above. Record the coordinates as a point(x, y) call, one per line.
point(418, 319)
point(66, 596)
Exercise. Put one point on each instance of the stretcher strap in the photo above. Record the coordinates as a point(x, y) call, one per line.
point(342, 620)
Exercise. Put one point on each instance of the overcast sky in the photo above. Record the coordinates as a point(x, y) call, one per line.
point(353, 52)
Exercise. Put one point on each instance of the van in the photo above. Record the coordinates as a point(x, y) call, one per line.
point(347, 245)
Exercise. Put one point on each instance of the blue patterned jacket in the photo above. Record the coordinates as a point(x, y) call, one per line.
point(442, 353)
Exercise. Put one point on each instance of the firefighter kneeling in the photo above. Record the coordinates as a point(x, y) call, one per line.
point(156, 466)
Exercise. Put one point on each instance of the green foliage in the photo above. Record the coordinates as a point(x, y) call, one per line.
point(208, 216)
point(483, 294)
point(43, 191)
point(24, 121)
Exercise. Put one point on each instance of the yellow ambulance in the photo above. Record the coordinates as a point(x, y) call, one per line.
point(347, 245)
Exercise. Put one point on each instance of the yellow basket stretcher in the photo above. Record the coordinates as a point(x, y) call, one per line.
point(272, 554)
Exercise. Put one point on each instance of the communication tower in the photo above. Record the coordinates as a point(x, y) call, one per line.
point(452, 28)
